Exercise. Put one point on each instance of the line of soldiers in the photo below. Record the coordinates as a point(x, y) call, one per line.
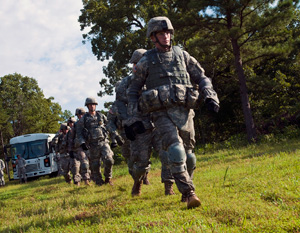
point(153, 110)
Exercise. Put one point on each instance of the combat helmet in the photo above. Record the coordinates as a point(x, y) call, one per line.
point(79, 111)
point(90, 100)
point(137, 55)
point(160, 23)
point(63, 126)
point(71, 120)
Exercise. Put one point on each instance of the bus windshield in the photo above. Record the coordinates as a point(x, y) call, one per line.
point(29, 150)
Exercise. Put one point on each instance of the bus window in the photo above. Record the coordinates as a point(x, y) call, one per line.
point(36, 149)
point(19, 149)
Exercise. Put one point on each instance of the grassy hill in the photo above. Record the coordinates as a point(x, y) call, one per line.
point(254, 188)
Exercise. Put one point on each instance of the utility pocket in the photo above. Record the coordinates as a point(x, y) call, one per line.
point(180, 93)
point(164, 95)
point(192, 98)
point(149, 101)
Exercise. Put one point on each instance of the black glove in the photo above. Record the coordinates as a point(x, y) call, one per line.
point(119, 140)
point(134, 129)
point(84, 146)
point(71, 153)
point(113, 145)
point(212, 105)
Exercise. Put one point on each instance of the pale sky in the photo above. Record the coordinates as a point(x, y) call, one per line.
point(41, 39)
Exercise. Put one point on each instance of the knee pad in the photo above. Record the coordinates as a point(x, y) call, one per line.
point(177, 158)
point(190, 161)
point(109, 161)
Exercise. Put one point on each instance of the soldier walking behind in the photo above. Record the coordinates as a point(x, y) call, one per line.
point(93, 136)
point(2, 167)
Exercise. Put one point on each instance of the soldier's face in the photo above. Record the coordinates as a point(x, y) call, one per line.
point(164, 38)
point(92, 107)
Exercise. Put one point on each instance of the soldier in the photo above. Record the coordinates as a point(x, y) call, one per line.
point(80, 155)
point(170, 76)
point(64, 156)
point(117, 115)
point(74, 162)
point(143, 141)
point(2, 167)
point(91, 132)
point(21, 162)
point(54, 147)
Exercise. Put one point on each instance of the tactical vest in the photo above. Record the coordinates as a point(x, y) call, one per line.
point(121, 94)
point(95, 127)
point(168, 83)
point(172, 73)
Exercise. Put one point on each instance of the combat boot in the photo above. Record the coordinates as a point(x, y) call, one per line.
point(169, 188)
point(108, 181)
point(146, 181)
point(136, 189)
point(193, 201)
point(183, 198)
point(86, 182)
point(77, 183)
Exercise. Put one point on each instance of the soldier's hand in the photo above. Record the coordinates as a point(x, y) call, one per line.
point(212, 105)
point(119, 140)
point(113, 145)
point(84, 146)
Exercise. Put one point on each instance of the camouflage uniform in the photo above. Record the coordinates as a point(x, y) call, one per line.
point(57, 155)
point(171, 77)
point(91, 130)
point(79, 153)
point(21, 162)
point(74, 161)
point(64, 156)
point(2, 167)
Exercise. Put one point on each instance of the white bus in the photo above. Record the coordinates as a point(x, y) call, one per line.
point(35, 149)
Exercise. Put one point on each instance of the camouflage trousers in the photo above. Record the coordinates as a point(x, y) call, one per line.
point(66, 166)
point(82, 168)
point(101, 152)
point(22, 174)
point(171, 135)
point(141, 149)
point(2, 181)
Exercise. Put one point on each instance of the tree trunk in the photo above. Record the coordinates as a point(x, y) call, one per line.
point(250, 127)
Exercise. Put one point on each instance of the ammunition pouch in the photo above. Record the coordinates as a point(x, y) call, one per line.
point(166, 96)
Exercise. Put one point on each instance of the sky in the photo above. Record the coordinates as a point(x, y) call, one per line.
point(41, 39)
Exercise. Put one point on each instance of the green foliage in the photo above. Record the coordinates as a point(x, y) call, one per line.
point(252, 188)
point(261, 36)
point(24, 109)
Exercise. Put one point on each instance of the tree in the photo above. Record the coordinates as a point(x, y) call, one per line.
point(229, 38)
point(24, 107)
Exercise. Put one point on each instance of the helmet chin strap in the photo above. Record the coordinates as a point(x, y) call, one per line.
point(163, 46)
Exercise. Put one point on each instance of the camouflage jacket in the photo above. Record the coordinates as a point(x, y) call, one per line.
point(91, 129)
point(193, 68)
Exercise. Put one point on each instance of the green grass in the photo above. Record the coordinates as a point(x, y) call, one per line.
point(254, 188)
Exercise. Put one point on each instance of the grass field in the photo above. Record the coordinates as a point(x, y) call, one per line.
point(254, 188)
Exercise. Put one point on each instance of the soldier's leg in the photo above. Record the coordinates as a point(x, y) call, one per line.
point(173, 144)
point(95, 163)
point(108, 161)
point(65, 166)
point(166, 175)
point(84, 164)
point(187, 133)
point(141, 149)
point(75, 168)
